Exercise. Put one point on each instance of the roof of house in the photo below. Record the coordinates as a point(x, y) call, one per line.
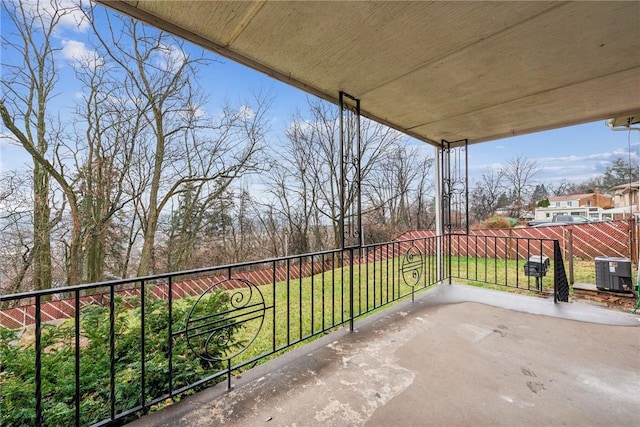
point(574, 197)
point(625, 186)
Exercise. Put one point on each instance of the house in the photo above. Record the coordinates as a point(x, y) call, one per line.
point(625, 200)
point(591, 205)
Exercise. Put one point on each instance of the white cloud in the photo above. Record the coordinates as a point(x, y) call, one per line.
point(579, 168)
point(245, 112)
point(576, 168)
point(12, 155)
point(74, 17)
point(68, 12)
point(78, 53)
point(6, 139)
point(606, 156)
point(193, 112)
point(170, 58)
point(486, 167)
point(300, 126)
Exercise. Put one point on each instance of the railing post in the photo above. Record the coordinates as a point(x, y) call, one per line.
point(76, 316)
point(38, 361)
point(112, 352)
point(570, 255)
point(170, 334)
point(351, 289)
point(143, 378)
point(633, 240)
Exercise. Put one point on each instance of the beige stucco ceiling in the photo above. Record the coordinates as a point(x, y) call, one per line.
point(434, 70)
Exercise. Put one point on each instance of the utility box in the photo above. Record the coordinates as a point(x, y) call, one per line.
point(536, 266)
point(613, 274)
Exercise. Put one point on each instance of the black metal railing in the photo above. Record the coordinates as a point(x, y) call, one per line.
point(100, 354)
point(528, 264)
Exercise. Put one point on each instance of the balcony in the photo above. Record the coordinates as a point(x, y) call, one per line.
point(217, 342)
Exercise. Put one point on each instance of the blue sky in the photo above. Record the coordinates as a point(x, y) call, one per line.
point(574, 153)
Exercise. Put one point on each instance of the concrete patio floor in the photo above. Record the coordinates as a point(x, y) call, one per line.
point(457, 356)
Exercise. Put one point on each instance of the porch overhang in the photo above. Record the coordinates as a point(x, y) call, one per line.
point(433, 70)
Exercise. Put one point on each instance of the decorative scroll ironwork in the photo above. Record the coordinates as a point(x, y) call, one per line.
point(211, 335)
point(455, 187)
point(350, 173)
point(412, 266)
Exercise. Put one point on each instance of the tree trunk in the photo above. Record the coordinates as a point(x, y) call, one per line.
point(42, 277)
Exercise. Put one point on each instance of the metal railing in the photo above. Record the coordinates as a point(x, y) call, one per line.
point(504, 261)
point(121, 348)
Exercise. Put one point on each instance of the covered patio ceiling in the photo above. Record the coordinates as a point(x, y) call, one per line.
point(434, 70)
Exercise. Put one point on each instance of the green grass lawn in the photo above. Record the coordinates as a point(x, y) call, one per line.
point(498, 274)
point(311, 306)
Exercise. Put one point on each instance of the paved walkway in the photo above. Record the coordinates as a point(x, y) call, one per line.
point(458, 356)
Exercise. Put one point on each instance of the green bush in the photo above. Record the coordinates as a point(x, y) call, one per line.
point(512, 221)
point(17, 361)
point(543, 203)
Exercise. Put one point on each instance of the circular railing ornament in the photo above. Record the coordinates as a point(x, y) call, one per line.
point(412, 266)
point(210, 335)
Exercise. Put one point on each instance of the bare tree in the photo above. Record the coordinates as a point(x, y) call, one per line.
point(424, 200)
point(214, 156)
point(185, 154)
point(519, 174)
point(395, 189)
point(486, 194)
point(295, 188)
point(103, 149)
point(29, 86)
point(16, 254)
point(272, 229)
point(563, 188)
point(161, 94)
point(308, 188)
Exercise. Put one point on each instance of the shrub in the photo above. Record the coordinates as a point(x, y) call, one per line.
point(17, 361)
point(498, 222)
point(543, 203)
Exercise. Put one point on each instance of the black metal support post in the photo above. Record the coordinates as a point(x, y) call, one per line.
point(455, 186)
point(350, 173)
point(454, 162)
